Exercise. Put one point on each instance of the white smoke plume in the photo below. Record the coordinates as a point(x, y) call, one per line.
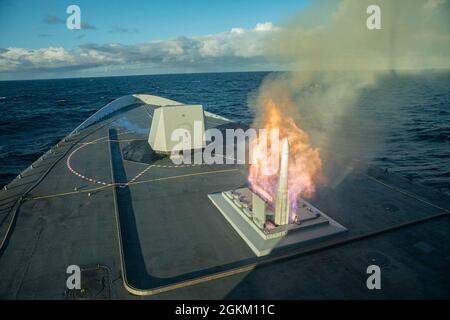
point(334, 58)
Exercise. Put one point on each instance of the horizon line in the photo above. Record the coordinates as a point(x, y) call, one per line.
point(148, 74)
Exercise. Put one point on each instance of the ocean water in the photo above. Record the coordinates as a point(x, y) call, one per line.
point(411, 114)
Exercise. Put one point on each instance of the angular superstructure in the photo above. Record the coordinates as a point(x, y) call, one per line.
point(177, 128)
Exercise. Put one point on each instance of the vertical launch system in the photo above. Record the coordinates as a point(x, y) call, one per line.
point(267, 226)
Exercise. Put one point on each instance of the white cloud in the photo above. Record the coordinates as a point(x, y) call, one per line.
point(238, 30)
point(237, 46)
point(267, 26)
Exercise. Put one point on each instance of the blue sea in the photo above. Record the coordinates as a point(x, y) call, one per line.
point(411, 114)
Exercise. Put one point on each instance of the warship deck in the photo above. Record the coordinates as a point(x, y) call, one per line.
point(146, 229)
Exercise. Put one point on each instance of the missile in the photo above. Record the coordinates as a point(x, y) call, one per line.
point(282, 197)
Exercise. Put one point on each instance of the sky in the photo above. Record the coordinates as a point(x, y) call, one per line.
point(137, 37)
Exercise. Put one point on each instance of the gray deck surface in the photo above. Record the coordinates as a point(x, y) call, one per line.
point(172, 232)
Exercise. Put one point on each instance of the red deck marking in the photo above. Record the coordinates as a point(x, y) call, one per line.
point(105, 139)
point(139, 174)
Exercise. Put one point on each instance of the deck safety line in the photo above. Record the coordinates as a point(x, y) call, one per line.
point(252, 266)
point(139, 175)
point(84, 144)
point(69, 166)
point(23, 198)
point(131, 184)
point(265, 262)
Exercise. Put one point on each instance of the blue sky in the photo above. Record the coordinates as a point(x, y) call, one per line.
point(22, 21)
point(37, 25)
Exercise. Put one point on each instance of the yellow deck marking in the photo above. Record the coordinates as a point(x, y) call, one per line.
point(184, 175)
point(265, 261)
point(130, 184)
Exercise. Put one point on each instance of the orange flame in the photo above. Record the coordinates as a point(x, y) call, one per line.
point(304, 160)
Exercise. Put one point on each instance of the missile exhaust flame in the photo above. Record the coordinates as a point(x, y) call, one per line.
point(303, 162)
